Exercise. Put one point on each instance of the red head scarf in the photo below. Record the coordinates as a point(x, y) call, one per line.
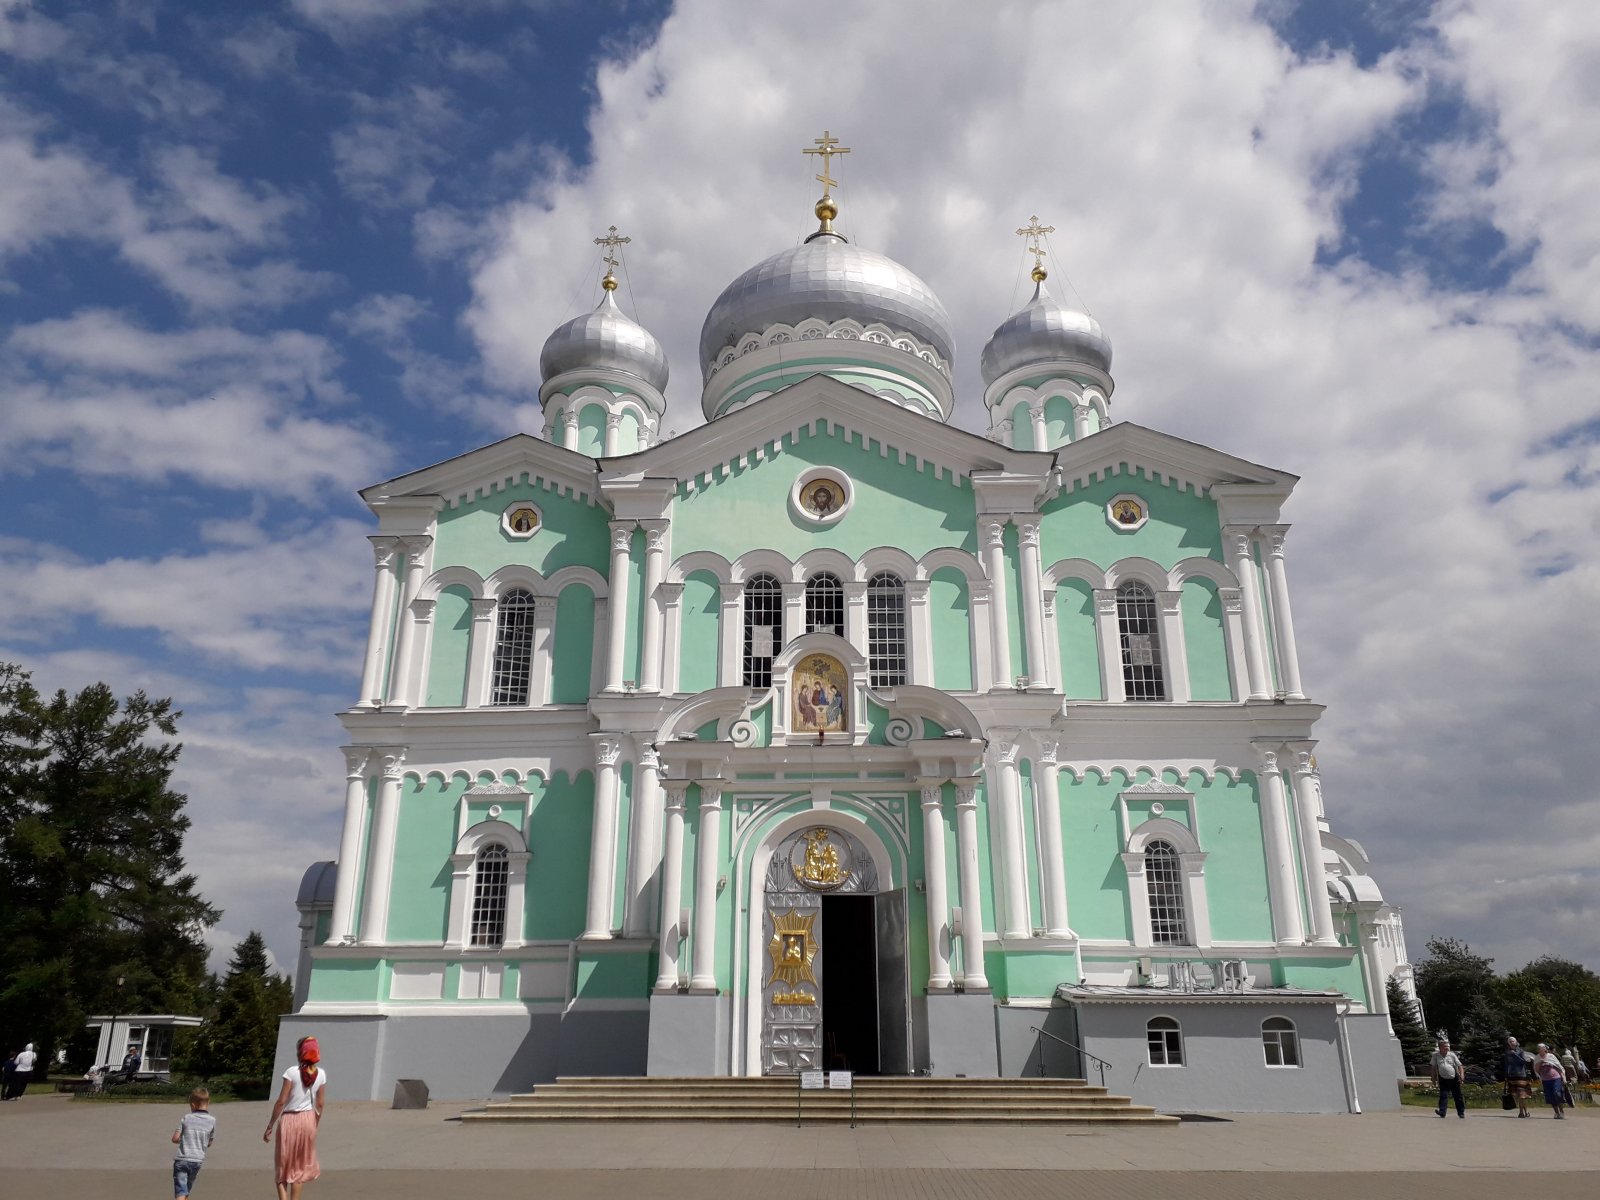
point(310, 1056)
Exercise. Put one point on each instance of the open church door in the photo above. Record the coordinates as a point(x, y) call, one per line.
point(894, 1014)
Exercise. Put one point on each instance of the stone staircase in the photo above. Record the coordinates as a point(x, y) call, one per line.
point(772, 1100)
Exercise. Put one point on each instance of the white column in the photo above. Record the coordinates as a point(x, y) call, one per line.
point(480, 652)
point(380, 850)
point(1233, 631)
point(973, 977)
point(855, 614)
point(1372, 959)
point(1040, 440)
point(981, 623)
point(385, 561)
point(1105, 627)
point(1082, 418)
point(613, 432)
point(671, 596)
point(919, 634)
point(1282, 894)
point(541, 664)
point(655, 569)
point(1236, 541)
point(1174, 644)
point(1006, 800)
point(794, 612)
point(933, 883)
point(1052, 854)
point(708, 855)
point(603, 838)
point(405, 649)
point(1282, 620)
point(730, 636)
point(644, 848)
point(342, 927)
point(672, 887)
point(422, 656)
point(569, 430)
point(1033, 598)
point(1306, 791)
point(993, 530)
point(617, 604)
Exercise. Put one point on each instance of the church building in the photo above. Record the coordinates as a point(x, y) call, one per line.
point(829, 734)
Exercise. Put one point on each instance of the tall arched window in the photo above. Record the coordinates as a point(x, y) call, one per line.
point(1164, 1036)
point(1279, 1043)
point(1139, 631)
point(490, 883)
point(513, 648)
point(886, 629)
point(825, 605)
point(1163, 878)
point(763, 628)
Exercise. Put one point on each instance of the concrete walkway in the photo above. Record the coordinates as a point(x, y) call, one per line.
point(50, 1145)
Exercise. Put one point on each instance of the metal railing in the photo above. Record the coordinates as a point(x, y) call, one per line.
point(1099, 1062)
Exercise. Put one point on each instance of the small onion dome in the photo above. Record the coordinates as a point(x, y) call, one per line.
point(827, 278)
point(1043, 331)
point(605, 339)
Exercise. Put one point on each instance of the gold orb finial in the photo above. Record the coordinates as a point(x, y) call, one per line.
point(609, 282)
point(1039, 273)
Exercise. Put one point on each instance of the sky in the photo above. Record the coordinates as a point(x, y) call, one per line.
point(257, 254)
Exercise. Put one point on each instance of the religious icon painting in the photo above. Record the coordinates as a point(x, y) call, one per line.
point(819, 695)
point(521, 520)
point(821, 496)
point(1127, 513)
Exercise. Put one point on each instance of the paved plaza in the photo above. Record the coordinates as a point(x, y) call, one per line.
point(50, 1145)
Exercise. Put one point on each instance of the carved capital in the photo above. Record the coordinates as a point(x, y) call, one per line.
point(932, 795)
point(917, 591)
point(1048, 744)
point(711, 794)
point(483, 609)
point(966, 793)
point(1275, 535)
point(417, 551)
point(732, 593)
point(677, 791)
point(649, 759)
point(1105, 602)
point(1232, 600)
point(980, 590)
point(355, 761)
point(614, 420)
point(607, 750)
point(1269, 759)
point(1028, 531)
point(385, 552)
point(671, 593)
point(544, 609)
point(422, 610)
point(1005, 746)
point(1049, 599)
point(393, 762)
point(994, 533)
point(1305, 759)
point(1170, 601)
point(621, 536)
point(1237, 539)
point(655, 536)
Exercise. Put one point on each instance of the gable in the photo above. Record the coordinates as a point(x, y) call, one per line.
point(572, 530)
point(1182, 523)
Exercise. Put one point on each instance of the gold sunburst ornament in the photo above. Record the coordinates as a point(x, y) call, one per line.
point(793, 948)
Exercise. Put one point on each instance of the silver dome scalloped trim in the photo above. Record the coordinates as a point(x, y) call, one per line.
point(815, 329)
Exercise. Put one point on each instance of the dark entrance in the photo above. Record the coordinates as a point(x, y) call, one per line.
point(850, 984)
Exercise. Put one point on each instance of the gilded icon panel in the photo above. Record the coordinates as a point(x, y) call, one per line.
point(819, 695)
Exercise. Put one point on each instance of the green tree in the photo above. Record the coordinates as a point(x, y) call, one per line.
point(1451, 981)
point(1415, 1044)
point(1572, 998)
point(91, 842)
point(1524, 1008)
point(242, 1037)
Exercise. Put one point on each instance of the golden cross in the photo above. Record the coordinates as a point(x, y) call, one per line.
point(827, 146)
point(611, 241)
point(1033, 231)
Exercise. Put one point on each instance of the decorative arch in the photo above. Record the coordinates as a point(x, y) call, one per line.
point(825, 558)
point(1163, 829)
point(720, 704)
point(708, 561)
point(759, 562)
point(886, 558)
point(1080, 569)
point(463, 865)
point(577, 573)
point(854, 665)
point(913, 704)
point(1137, 570)
point(514, 575)
point(1200, 568)
point(944, 557)
point(1191, 864)
point(452, 577)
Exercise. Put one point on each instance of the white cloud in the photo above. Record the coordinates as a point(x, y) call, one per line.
point(388, 155)
point(1193, 166)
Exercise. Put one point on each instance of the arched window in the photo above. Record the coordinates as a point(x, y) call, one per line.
point(763, 628)
point(886, 629)
point(1163, 878)
point(825, 605)
point(513, 648)
point(1279, 1042)
point(1165, 1039)
point(1139, 632)
point(490, 883)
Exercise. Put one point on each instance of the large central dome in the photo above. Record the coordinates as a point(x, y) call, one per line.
point(828, 279)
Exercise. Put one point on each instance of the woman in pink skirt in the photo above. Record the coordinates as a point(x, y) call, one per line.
point(297, 1114)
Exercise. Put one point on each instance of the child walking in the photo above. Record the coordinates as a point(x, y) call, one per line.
point(193, 1136)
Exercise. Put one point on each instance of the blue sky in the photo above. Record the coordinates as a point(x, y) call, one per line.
point(256, 256)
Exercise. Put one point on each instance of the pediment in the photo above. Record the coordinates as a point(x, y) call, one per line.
point(489, 469)
point(1167, 458)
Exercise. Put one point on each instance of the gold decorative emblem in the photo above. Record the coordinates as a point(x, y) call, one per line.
point(795, 999)
point(821, 870)
point(1127, 512)
point(822, 498)
point(523, 520)
point(820, 700)
point(793, 947)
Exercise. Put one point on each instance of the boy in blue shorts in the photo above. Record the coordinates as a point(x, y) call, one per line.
point(193, 1137)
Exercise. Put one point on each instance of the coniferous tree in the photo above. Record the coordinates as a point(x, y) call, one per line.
point(91, 841)
point(1450, 981)
point(1415, 1044)
point(243, 1035)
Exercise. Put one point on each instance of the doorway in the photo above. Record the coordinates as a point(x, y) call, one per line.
point(864, 1001)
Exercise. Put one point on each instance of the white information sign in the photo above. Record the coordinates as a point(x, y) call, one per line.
point(839, 1081)
point(811, 1081)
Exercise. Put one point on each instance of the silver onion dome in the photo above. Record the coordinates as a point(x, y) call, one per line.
point(1044, 331)
point(605, 339)
point(827, 278)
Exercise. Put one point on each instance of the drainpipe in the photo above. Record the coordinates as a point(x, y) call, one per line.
point(1352, 1099)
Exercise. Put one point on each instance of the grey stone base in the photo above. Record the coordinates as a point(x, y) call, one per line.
point(688, 1035)
point(1375, 1060)
point(961, 1034)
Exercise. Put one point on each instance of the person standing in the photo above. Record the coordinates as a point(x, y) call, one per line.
point(1447, 1071)
point(297, 1114)
point(24, 1071)
point(1519, 1078)
point(193, 1137)
point(1548, 1068)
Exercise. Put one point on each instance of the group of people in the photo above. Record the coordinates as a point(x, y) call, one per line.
point(19, 1070)
point(1518, 1070)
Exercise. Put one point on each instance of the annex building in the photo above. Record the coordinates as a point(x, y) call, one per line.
point(830, 734)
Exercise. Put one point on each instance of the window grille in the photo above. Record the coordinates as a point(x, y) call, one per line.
point(886, 630)
point(1139, 629)
point(491, 882)
point(1165, 1040)
point(825, 605)
point(1279, 1042)
point(513, 648)
point(763, 629)
point(1163, 878)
